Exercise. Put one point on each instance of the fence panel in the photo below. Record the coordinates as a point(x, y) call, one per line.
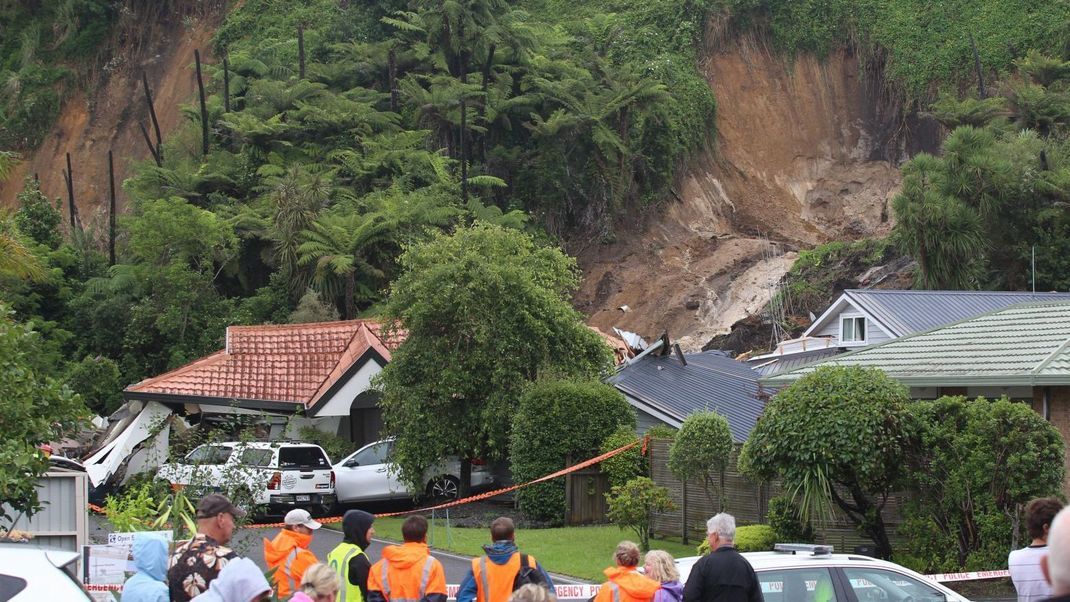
point(63, 521)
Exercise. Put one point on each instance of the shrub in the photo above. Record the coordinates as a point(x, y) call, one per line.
point(335, 446)
point(787, 522)
point(96, 379)
point(751, 538)
point(626, 465)
point(700, 452)
point(633, 505)
point(557, 419)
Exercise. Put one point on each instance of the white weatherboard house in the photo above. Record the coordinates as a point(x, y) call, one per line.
point(863, 317)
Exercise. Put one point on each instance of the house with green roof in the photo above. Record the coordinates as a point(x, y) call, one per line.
point(1022, 351)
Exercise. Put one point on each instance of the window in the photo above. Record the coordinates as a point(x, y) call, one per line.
point(371, 456)
point(256, 457)
point(853, 330)
point(209, 454)
point(882, 584)
point(302, 457)
point(10, 586)
point(797, 585)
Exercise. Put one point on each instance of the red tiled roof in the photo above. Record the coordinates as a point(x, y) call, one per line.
point(296, 363)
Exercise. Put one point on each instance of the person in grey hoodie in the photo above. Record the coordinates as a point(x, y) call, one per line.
point(149, 583)
point(240, 581)
point(660, 567)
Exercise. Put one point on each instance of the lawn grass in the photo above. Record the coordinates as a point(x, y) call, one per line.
point(581, 552)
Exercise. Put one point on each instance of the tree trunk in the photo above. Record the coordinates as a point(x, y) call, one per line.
point(152, 149)
point(464, 153)
point(152, 114)
point(466, 478)
point(392, 79)
point(981, 92)
point(111, 211)
point(226, 85)
point(351, 289)
point(204, 105)
point(483, 105)
point(301, 51)
point(70, 195)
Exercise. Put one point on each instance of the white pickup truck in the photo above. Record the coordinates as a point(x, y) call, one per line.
point(271, 476)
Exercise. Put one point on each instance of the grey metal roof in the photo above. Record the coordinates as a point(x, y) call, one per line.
point(710, 381)
point(907, 312)
point(1023, 345)
point(771, 366)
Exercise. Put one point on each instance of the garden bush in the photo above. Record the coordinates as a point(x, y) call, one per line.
point(626, 465)
point(749, 538)
point(632, 506)
point(787, 522)
point(557, 419)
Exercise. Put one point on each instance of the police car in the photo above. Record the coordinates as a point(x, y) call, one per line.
point(812, 573)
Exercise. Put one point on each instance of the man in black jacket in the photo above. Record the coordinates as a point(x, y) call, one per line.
point(723, 575)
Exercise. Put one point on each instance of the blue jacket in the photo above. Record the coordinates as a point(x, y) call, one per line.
point(499, 553)
point(149, 584)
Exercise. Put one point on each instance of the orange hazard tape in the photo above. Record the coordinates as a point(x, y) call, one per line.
point(472, 498)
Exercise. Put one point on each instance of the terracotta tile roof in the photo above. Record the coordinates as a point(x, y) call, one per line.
point(295, 363)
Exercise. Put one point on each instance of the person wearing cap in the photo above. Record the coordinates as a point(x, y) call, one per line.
point(408, 573)
point(288, 553)
point(349, 558)
point(197, 562)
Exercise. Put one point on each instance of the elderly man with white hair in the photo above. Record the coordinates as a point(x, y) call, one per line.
point(723, 575)
point(1056, 565)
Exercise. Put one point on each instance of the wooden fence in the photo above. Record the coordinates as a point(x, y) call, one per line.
point(585, 496)
point(746, 500)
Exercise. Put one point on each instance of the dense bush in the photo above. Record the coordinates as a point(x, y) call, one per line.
point(749, 538)
point(557, 420)
point(96, 379)
point(787, 523)
point(700, 453)
point(626, 465)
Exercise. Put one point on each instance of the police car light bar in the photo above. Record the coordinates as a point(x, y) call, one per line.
point(814, 549)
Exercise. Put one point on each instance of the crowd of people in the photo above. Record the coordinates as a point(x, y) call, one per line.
point(205, 569)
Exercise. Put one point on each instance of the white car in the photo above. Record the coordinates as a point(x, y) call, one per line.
point(812, 573)
point(273, 476)
point(366, 476)
point(29, 574)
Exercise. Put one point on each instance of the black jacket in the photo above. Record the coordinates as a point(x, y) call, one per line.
point(722, 576)
point(355, 526)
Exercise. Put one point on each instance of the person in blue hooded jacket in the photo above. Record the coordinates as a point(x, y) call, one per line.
point(498, 569)
point(149, 583)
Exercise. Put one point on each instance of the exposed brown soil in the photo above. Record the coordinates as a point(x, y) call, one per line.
point(107, 118)
point(806, 152)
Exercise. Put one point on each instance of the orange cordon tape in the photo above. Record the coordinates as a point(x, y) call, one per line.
point(471, 498)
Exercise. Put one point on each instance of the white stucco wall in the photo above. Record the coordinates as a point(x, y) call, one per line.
point(340, 403)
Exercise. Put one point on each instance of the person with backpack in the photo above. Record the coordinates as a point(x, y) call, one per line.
point(494, 576)
point(624, 582)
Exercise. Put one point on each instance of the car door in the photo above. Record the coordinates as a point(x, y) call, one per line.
point(364, 475)
point(875, 583)
point(809, 584)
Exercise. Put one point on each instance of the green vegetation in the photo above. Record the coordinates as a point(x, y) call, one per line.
point(700, 453)
point(921, 44)
point(626, 465)
point(749, 538)
point(577, 551)
point(633, 505)
point(821, 273)
point(554, 422)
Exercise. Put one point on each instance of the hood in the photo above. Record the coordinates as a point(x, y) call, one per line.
point(500, 551)
point(674, 590)
point(240, 580)
point(276, 550)
point(150, 555)
point(355, 526)
point(637, 586)
point(406, 555)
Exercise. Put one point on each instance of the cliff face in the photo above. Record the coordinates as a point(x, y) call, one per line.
point(107, 117)
point(806, 152)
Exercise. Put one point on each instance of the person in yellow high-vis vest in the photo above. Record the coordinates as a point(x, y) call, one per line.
point(494, 576)
point(349, 558)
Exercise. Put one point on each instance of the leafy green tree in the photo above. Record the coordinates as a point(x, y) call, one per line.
point(36, 217)
point(36, 410)
point(633, 505)
point(626, 465)
point(556, 421)
point(700, 451)
point(487, 312)
point(838, 436)
point(974, 465)
point(96, 380)
point(16, 257)
point(311, 308)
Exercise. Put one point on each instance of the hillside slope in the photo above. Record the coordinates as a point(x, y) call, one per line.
point(806, 152)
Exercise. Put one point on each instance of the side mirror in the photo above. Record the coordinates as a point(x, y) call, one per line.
point(351, 464)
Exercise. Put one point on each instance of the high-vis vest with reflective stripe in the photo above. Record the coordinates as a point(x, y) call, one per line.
point(425, 577)
point(339, 559)
point(495, 578)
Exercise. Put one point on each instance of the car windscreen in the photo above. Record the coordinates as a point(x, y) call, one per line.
point(10, 586)
point(303, 457)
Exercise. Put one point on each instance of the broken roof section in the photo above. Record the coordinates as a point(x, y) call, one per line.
point(288, 366)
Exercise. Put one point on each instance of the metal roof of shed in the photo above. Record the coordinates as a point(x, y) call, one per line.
point(710, 381)
point(1022, 345)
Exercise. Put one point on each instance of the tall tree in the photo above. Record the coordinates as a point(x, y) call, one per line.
point(486, 311)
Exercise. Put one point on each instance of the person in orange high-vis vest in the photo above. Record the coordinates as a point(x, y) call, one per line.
point(625, 583)
point(408, 573)
point(493, 577)
point(288, 553)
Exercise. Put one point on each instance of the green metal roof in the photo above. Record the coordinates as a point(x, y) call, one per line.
point(1022, 345)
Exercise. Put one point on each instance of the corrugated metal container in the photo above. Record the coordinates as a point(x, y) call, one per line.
point(63, 522)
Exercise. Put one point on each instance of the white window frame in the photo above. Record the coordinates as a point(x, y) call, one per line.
point(858, 319)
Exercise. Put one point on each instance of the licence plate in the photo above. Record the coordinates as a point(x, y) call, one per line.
point(304, 498)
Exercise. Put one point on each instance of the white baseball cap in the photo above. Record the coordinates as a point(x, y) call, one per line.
point(301, 517)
